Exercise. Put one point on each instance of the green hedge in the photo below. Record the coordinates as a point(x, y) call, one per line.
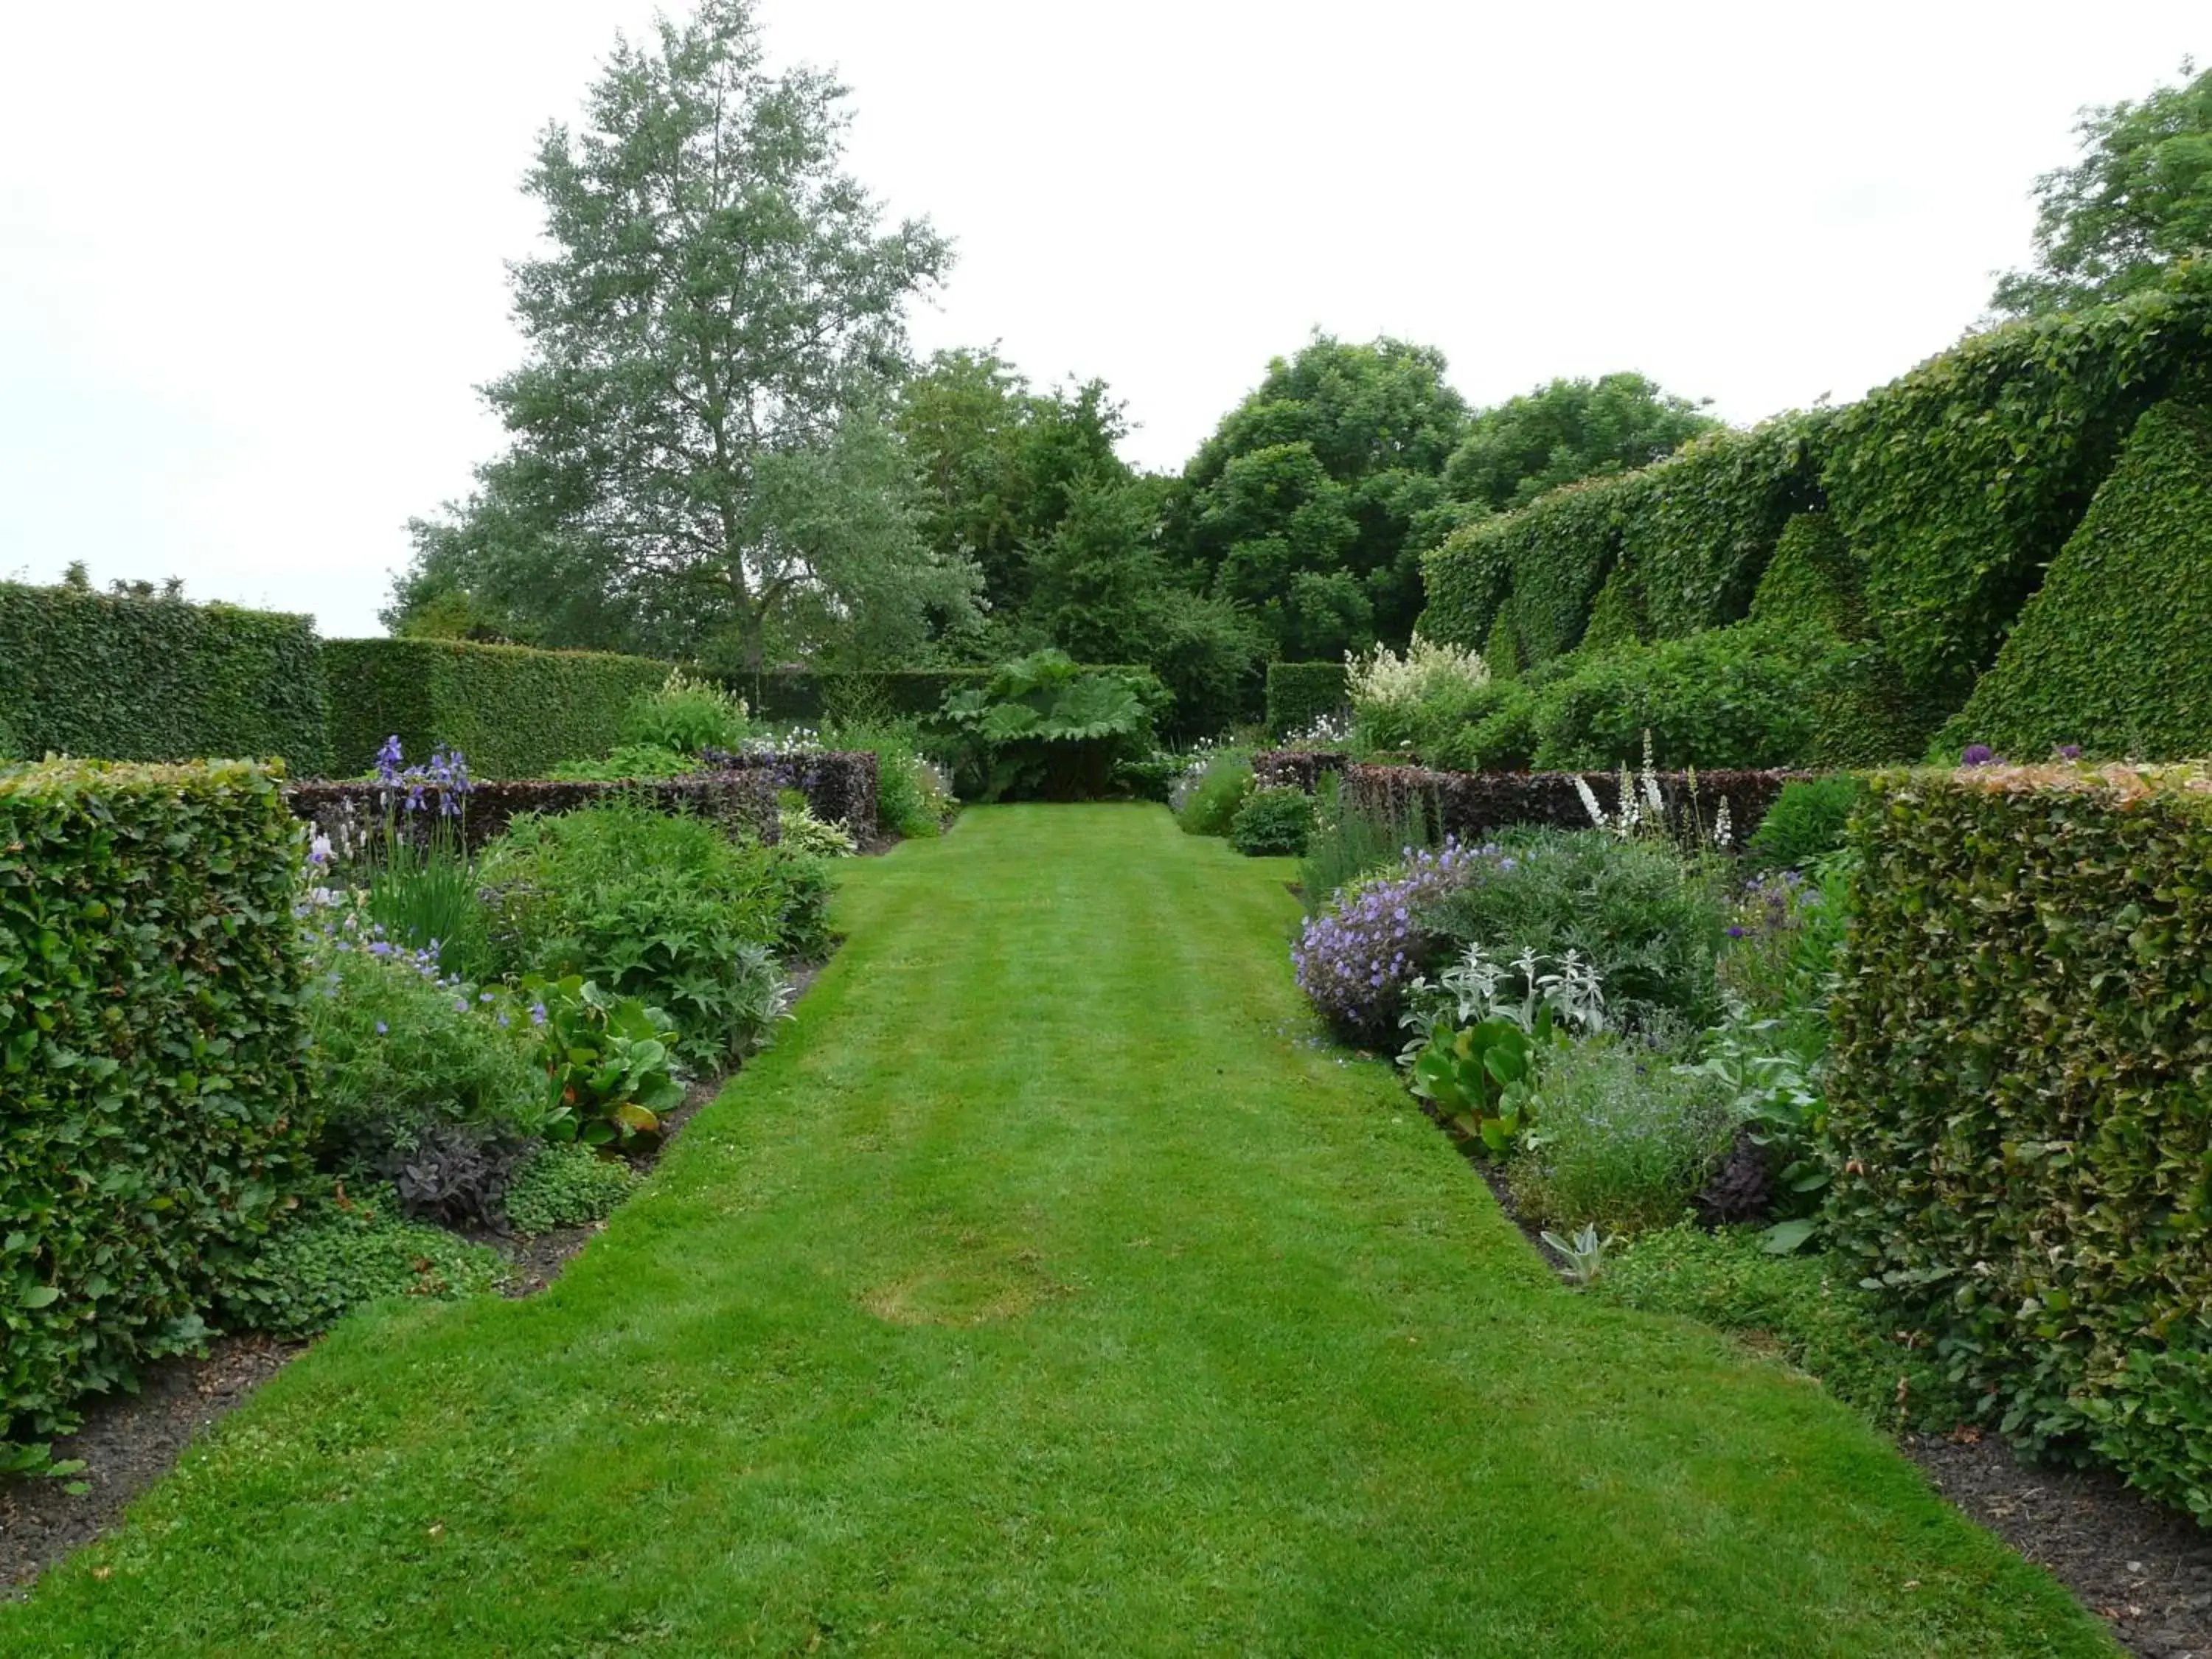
point(1300, 693)
point(1812, 580)
point(152, 1060)
point(1697, 528)
point(902, 693)
point(2020, 1098)
point(155, 679)
point(2114, 653)
point(515, 712)
point(1957, 484)
point(1541, 566)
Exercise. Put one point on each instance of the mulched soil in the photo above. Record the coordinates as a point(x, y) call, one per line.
point(127, 1443)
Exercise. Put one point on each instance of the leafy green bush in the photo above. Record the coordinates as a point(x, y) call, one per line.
point(804, 833)
point(1731, 697)
point(1806, 823)
point(654, 905)
point(1621, 1139)
point(158, 679)
point(1042, 726)
point(517, 713)
point(2023, 1029)
point(1648, 923)
point(153, 1063)
point(2113, 654)
point(1809, 1306)
point(625, 761)
point(1301, 693)
point(1210, 804)
point(400, 1049)
point(344, 1253)
point(911, 799)
point(608, 1059)
point(569, 1186)
point(685, 715)
point(1273, 823)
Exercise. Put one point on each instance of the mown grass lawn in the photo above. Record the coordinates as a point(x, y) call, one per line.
point(1045, 1291)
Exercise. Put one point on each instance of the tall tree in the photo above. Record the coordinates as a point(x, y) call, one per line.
point(1564, 431)
point(1000, 465)
point(1304, 506)
point(708, 338)
point(2139, 198)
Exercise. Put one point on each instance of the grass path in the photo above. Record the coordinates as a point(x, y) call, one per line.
point(1043, 1294)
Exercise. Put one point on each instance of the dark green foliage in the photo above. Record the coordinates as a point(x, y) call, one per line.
point(1698, 528)
point(152, 1062)
point(1309, 502)
point(1809, 1306)
point(1301, 693)
point(1648, 923)
point(1807, 822)
point(646, 904)
point(1042, 726)
point(2114, 653)
point(569, 1186)
point(1542, 565)
point(628, 760)
point(795, 695)
point(515, 712)
point(123, 677)
point(1959, 483)
point(1567, 431)
point(609, 1059)
point(347, 1251)
point(1617, 614)
point(1812, 580)
point(2139, 198)
point(1729, 697)
point(1273, 823)
point(686, 715)
point(1210, 805)
point(2017, 1094)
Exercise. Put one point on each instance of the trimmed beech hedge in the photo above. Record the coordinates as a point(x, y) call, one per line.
point(2020, 1097)
point(1472, 803)
point(742, 802)
point(154, 679)
point(153, 1063)
point(1300, 693)
point(2114, 653)
point(514, 712)
point(840, 785)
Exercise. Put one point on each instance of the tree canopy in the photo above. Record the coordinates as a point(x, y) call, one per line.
point(1566, 431)
point(2139, 198)
point(700, 454)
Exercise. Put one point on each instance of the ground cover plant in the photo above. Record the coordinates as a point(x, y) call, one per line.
point(1098, 1322)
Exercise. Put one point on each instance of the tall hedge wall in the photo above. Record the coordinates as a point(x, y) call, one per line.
point(2020, 1097)
point(124, 678)
point(2114, 653)
point(152, 1062)
point(515, 712)
point(1957, 484)
point(1300, 693)
point(789, 695)
point(1541, 566)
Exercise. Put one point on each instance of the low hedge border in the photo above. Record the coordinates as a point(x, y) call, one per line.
point(840, 785)
point(1472, 804)
point(743, 802)
point(1295, 769)
point(153, 1063)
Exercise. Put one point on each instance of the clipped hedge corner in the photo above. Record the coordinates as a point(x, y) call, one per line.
point(152, 1062)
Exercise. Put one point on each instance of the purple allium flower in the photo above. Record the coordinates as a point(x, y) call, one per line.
point(382, 1030)
point(2070, 751)
point(1978, 754)
point(1735, 933)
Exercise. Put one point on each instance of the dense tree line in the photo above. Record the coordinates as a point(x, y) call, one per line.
point(722, 449)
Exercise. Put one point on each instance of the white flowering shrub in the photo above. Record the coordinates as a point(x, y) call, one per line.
point(1382, 679)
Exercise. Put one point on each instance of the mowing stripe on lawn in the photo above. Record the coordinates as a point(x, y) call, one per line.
point(1047, 1289)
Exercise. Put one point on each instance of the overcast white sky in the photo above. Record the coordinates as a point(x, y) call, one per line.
point(250, 251)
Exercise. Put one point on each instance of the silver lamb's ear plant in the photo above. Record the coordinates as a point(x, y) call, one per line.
point(1584, 1252)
